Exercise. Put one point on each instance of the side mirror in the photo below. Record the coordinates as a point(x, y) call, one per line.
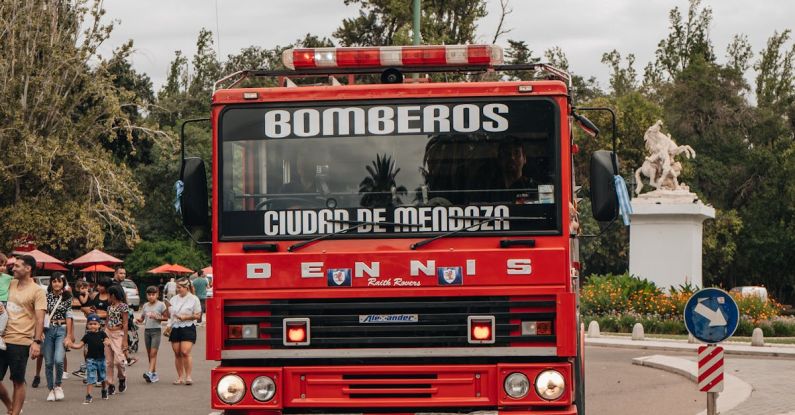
point(603, 190)
point(194, 194)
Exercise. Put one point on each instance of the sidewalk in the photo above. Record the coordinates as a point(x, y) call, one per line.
point(783, 351)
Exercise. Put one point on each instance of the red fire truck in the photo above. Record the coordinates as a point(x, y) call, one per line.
point(389, 243)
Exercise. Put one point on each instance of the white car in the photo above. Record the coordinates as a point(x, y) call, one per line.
point(760, 292)
point(43, 281)
point(131, 292)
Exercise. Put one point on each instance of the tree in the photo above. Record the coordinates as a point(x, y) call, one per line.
point(64, 189)
point(150, 254)
point(388, 22)
point(687, 40)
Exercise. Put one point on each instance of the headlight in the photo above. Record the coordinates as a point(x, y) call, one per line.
point(263, 388)
point(230, 389)
point(517, 385)
point(550, 385)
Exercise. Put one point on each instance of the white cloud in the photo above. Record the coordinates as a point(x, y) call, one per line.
point(584, 29)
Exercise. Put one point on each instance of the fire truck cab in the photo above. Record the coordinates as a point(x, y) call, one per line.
point(388, 244)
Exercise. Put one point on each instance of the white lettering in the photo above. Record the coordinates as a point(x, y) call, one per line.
point(306, 122)
point(405, 119)
point(471, 266)
point(466, 118)
point(258, 271)
point(343, 116)
point(428, 268)
point(380, 120)
point(498, 122)
point(311, 270)
point(435, 119)
point(361, 268)
point(520, 267)
point(277, 124)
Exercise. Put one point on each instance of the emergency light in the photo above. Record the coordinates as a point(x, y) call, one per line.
point(393, 56)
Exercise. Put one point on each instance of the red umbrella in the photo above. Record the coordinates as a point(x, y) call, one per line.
point(96, 257)
point(208, 270)
point(43, 261)
point(97, 268)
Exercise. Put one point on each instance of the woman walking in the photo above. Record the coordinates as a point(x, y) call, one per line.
point(185, 310)
point(116, 329)
point(57, 333)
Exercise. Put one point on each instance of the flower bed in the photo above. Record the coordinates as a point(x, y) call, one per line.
point(617, 302)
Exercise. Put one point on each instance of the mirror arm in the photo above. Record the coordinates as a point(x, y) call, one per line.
point(614, 132)
point(182, 142)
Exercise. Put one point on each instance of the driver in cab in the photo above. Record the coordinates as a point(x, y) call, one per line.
point(514, 185)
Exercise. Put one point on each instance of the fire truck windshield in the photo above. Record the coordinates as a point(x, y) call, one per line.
point(300, 170)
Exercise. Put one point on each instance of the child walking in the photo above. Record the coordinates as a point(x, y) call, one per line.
point(96, 341)
point(153, 312)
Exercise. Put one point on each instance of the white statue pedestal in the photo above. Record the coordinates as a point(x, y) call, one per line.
point(665, 237)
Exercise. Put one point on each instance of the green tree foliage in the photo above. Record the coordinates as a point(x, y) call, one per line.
point(388, 22)
point(58, 100)
point(687, 40)
point(149, 254)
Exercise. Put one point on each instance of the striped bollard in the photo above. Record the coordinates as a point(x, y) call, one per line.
point(710, 374)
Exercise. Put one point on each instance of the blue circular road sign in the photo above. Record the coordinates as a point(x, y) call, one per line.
point(711, 315)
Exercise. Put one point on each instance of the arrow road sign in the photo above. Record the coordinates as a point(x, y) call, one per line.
point(711, 315)
point(715, 317)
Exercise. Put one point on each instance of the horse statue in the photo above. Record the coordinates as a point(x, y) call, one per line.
point(660, 166)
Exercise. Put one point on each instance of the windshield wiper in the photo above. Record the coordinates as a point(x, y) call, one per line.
point(358, 224)
point(484, 219)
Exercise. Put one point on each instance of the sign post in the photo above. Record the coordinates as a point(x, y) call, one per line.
point(711, 315)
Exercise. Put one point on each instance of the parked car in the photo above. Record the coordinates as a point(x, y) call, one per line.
point(760, 292)
point(43, 281)
point(131, 291)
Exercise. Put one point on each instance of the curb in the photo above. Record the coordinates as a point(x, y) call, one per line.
point(683, 346)
point(735, 392)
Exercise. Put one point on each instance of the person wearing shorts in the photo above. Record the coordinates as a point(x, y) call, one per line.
point(95, 341)
point(24, 334)
point(153, 312)
point(185, 310)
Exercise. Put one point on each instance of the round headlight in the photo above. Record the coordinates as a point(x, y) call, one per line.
point(263, 388)
point(517, 385)
point(230, 389)
point(550, 385)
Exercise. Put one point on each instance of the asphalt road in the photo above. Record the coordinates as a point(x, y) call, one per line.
point(614, 386)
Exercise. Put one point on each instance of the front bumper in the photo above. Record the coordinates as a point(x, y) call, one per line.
point(419, 389)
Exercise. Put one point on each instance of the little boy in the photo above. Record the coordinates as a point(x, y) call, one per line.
point(153, 312)
point(96, 341)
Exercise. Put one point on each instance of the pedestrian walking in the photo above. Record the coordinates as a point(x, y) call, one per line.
point(5, 282)
point(116, 328)
point(153, 312)
point(185, 310)
point(26, 306)
point(84, 299)
point(96, 341)
point(170, 289)
point(57, 334)
point(200, 285)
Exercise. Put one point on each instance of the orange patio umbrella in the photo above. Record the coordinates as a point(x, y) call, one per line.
point(208, 270)
point(170, 269)
point(97, 268)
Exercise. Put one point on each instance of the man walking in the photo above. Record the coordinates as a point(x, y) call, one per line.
point(26, 307)
point(200, 285)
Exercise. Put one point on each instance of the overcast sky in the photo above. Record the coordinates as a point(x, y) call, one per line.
point(583, 28)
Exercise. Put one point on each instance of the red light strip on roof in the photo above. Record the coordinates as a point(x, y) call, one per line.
point(393, 56)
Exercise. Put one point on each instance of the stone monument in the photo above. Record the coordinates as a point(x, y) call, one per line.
point(665, 237)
